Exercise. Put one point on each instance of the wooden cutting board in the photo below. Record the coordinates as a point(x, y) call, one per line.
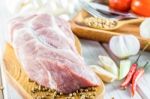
point(101, 35)
point(17, 77)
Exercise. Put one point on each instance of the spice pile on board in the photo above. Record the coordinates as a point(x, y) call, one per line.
point(41, 92)
point(100, 23)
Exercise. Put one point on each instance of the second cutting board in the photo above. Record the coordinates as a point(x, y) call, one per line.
point(83, 31)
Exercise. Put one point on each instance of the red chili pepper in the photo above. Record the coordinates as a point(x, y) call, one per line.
point(131, 72)
point(129, 76)
point(138, 73)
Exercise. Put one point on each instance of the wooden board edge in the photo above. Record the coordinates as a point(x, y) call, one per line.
point(8, 78)
point(78, 45)
point(16, 86)
point(101, 96)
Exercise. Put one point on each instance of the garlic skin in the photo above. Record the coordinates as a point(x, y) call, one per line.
point(145, 28)
point(108, 64)
point(124, 46)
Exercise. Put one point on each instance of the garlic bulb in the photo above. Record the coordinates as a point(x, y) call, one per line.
point(108, 64)
point(124, 46)
point(145, 28)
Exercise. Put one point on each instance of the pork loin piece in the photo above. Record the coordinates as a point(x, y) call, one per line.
point(45, 46)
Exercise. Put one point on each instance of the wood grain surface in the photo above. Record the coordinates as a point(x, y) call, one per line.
point(101, 35)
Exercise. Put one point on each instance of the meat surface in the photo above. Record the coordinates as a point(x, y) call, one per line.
point(45, 46)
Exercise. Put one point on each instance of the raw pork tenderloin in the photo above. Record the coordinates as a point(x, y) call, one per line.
point(45, 46)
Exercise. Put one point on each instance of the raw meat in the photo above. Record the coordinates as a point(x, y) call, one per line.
point(46, 48)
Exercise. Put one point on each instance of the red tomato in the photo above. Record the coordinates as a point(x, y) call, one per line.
point(141, 7)
point(120, 5)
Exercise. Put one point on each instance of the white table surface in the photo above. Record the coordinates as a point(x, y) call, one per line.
point(90, 52)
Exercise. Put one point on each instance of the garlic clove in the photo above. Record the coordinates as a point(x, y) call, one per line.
point(124, 68)
point(108, 64)
point(105, 75)
point(145, 28)
point(124, 46)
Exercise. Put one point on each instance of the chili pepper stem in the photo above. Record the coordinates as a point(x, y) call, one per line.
point(138, 58)
point(146, 46)
point(146, 65)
